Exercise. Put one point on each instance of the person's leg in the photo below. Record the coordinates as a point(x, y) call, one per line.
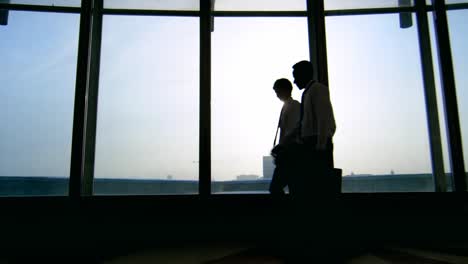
point(329, 154)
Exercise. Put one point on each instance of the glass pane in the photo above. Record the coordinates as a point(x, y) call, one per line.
point(245, 109)
point(365, 4)
point(376, 89)
point(153, 4)
point(147, 130)
point(448, 2)
point(260, 5)
point(459, 41)
point(38, 68)
point(67, 3)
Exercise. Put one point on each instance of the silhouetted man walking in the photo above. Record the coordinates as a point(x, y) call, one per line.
point(314, 134)
point(288, 121)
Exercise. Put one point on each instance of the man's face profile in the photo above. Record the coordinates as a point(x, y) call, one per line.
point(298, 79)
point(281, 93)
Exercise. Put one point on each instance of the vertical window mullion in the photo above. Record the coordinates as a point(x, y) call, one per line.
point(92, 98)
point(317, 39)
point(205, 99)
point(449, 95)
point(430, 98)
point(82, 74)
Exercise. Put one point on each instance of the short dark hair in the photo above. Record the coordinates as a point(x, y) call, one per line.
point(283, 84)
point(304, 67)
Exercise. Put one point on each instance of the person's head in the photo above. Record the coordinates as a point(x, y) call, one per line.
point(303, 73)
point(283, 89)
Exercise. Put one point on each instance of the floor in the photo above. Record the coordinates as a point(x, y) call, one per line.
point(238, 254)
point(246, 254)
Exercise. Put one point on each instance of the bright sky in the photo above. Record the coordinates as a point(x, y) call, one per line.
point(149, 93)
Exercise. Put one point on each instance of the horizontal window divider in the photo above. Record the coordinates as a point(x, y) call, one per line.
point(259, 13)
point(40, 8)
point(64, 9)
point(143, 12)
point(214, 13)
point(457, 6)
point(369, 11)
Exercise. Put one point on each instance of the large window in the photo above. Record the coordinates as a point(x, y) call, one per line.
point(378, 97)
point(38, 54)
point(248, 55)
point(148, 118)
point(148, 114)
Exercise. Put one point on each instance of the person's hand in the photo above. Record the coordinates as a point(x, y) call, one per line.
point(320, 147)
point(276, 150)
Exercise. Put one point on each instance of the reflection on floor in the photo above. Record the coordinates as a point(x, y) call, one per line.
point(238, 254)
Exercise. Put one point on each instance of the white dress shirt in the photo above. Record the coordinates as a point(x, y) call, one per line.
point(318, 118)
point(290, 115)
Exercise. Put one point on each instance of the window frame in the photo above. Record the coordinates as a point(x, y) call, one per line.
point(90, 35)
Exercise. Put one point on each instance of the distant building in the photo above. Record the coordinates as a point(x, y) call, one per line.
point(268, 167)
point(249, 177)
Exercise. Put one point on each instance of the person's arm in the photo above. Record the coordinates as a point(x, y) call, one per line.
point(290, 127)
point(286, 140)
point(292, 118)
point(291, 136)
point(323, 112)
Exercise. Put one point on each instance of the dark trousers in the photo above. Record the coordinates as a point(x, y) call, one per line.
point(313, 192)
point(305, 171)
point(312, 175)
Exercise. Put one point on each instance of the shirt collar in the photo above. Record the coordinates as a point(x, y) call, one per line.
point(309, 84)
point(288, 101)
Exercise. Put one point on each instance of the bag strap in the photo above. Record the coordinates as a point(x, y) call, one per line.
point(277, 128)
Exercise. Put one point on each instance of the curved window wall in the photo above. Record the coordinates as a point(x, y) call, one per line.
point(148, 115)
